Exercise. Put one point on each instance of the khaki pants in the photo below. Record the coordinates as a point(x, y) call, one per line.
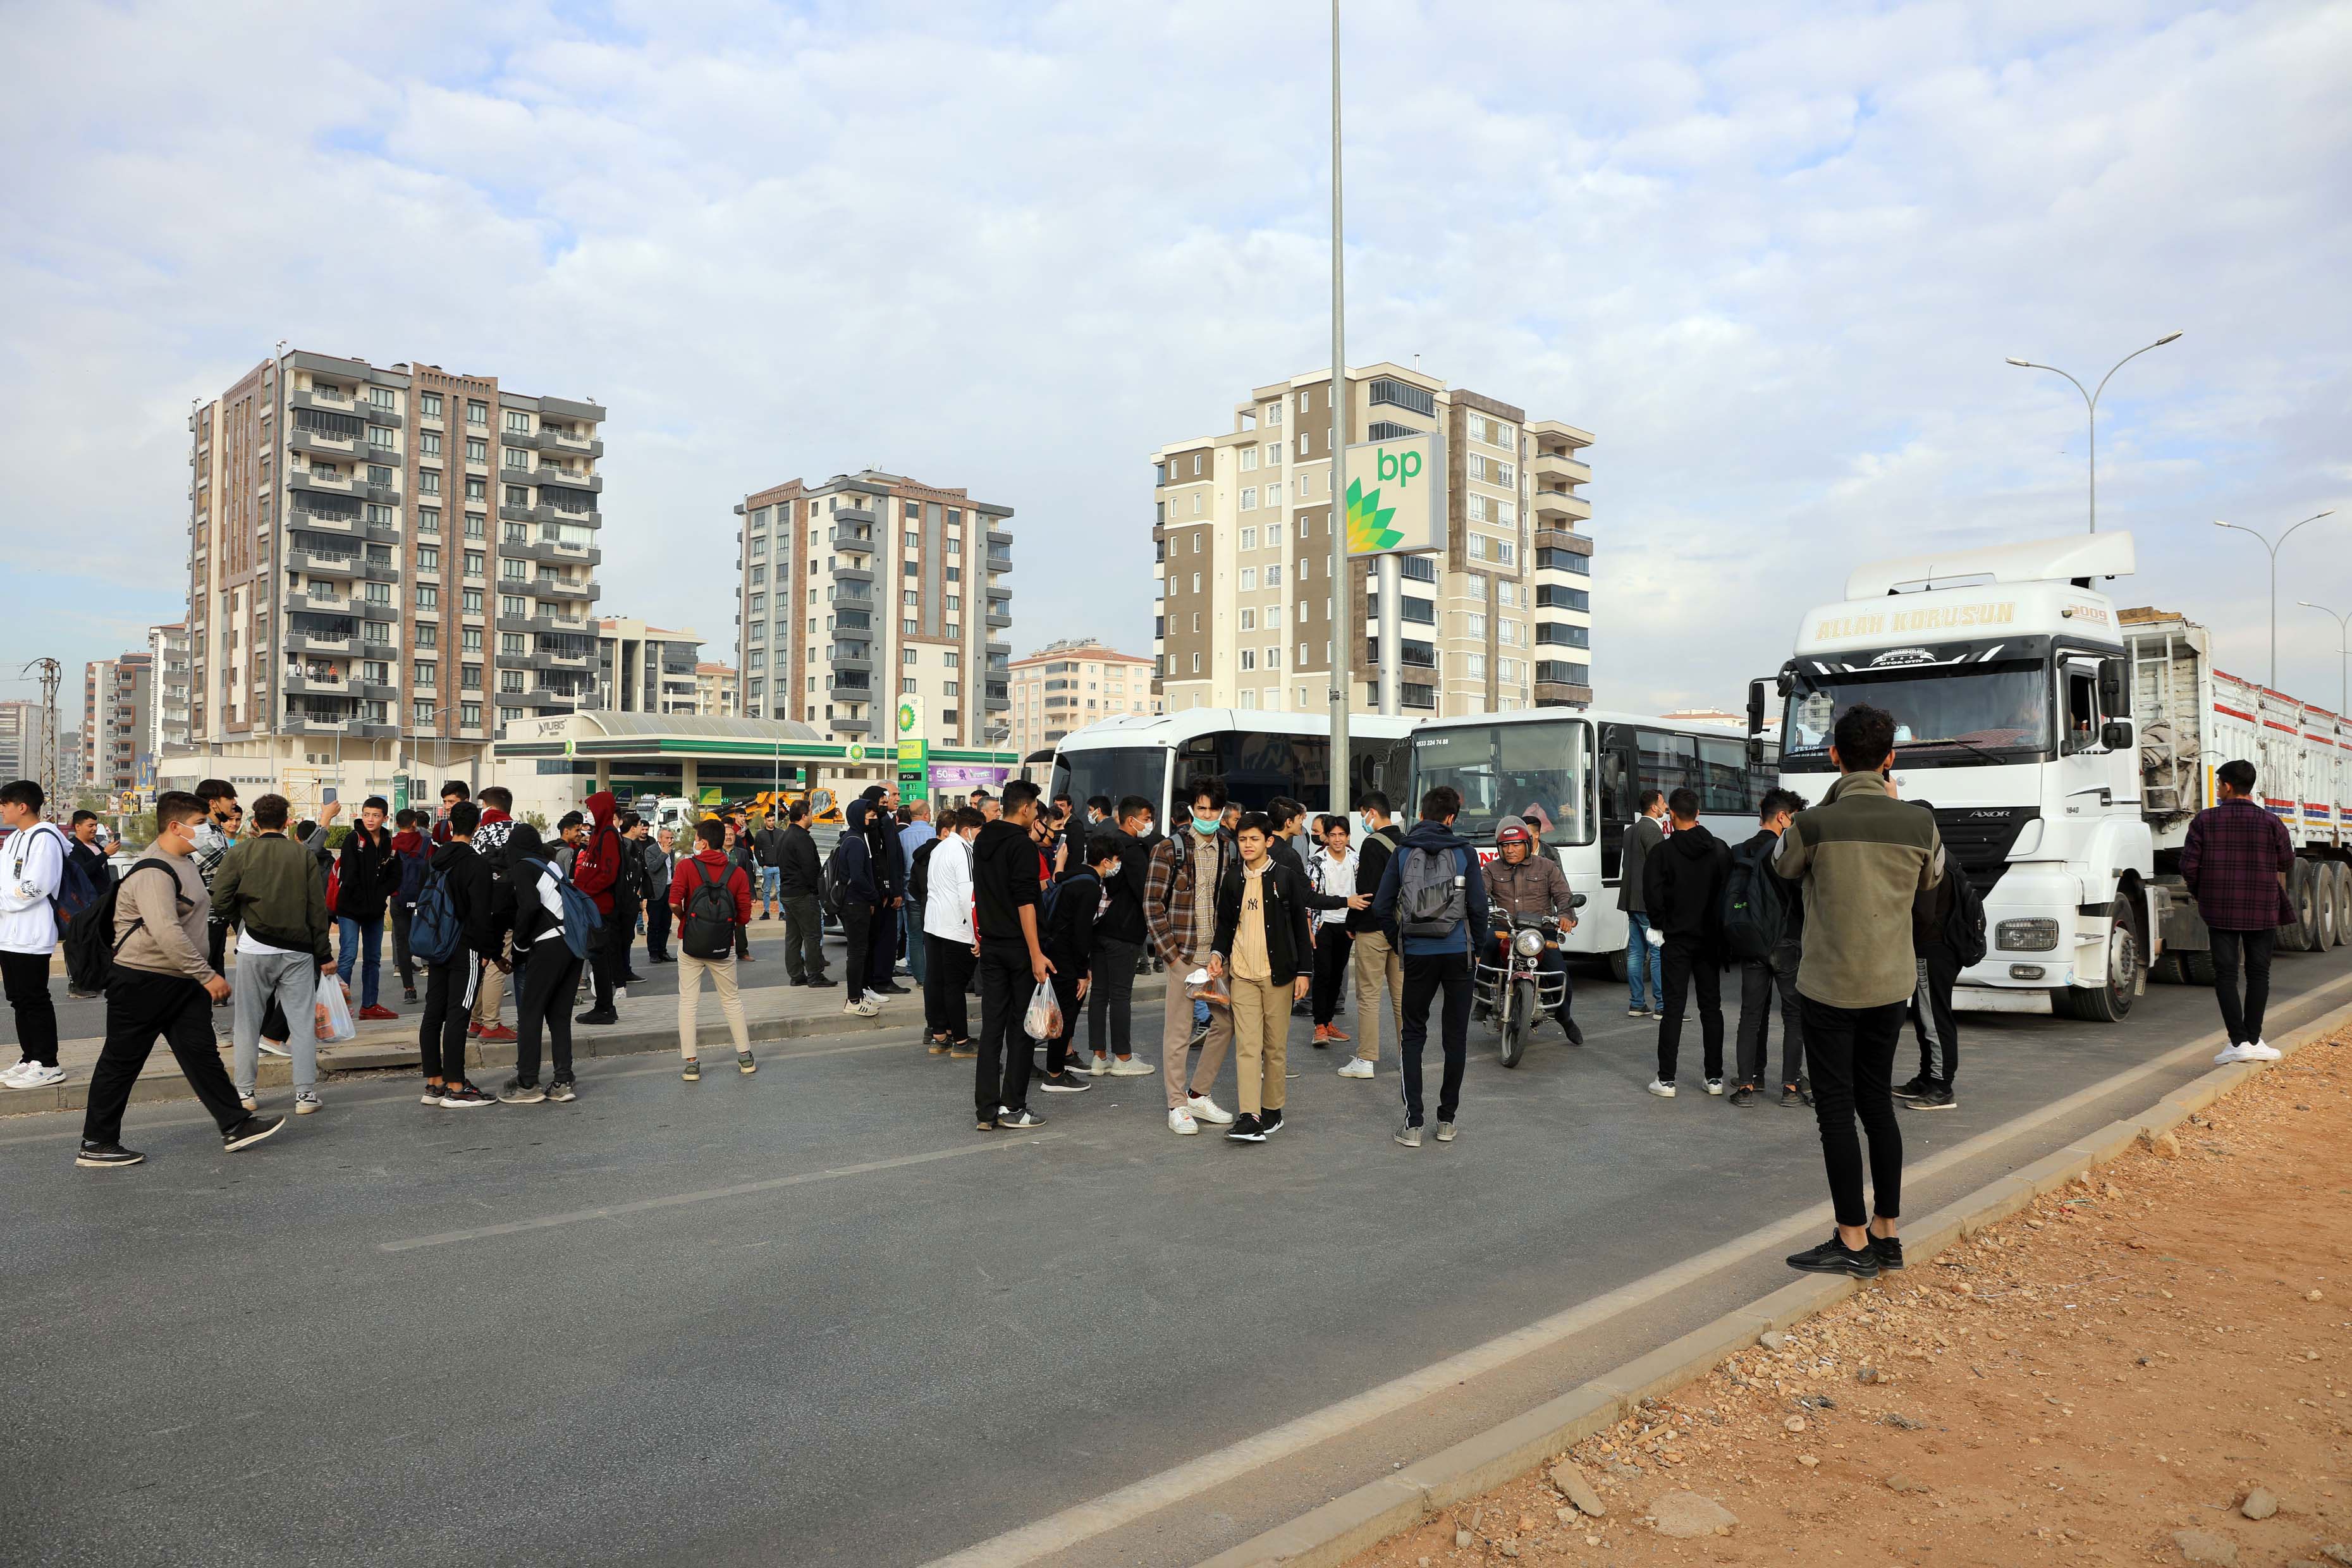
point(1261, 1042)
point(1176, 1027)
point(1376, 962)
point(491, 994)
point(690, 970)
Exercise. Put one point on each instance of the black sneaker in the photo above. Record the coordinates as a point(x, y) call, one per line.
point(408, 993)
point(1936, 1099)
point(563, 1091)
point(1796, 1094)
point(1918, 1086)
point(464, 1096)
point(1246, 1129)
point(597, 1015)
point(106, 1156)
point(1271, 1120)
point(1744, 1096)
point(1568, 1027)
point(1064, 1083)
point(1888, 1251)
point(249, 1131)
point(890, 988)
point(1019, 1121)
point(744, 1064)
point(1199, 1037)
point(1832, 1257)
point(518, 1092)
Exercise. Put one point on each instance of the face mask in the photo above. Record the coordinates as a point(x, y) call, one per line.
point(1205, 825)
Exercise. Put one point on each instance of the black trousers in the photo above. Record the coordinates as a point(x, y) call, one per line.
point(1426, 975)
point(2242, 1020)
point(139, 1008)
point(1757, 982)
point(1002, 1073)
point(857, 931)
point(1110, 1001)
point(544, 997)
point(448, 1008)
point(26, 978)
point(1333, 944)
point(1931, 1013)
point(1852, 1051)
point(217, 944)
point(1689, 962)
point(403, 960)
point(803, 937)
point(657, 931)
point(608, 956)
point(947, 970)
point(882, 948)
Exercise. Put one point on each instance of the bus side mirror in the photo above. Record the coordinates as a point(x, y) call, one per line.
point(1754, 708)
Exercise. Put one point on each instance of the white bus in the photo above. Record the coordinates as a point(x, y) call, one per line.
point(1575, 776)
point(1259, 755)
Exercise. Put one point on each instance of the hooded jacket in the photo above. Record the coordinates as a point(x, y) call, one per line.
point(1682, 884)
point(472, 895)
point(598, 865)
point(1123, 920)
point(268, 885)
point(367, 875)
point(1863, 857)
point(1004, 877)
point(855, 861)
point(1432, 835)
point(804, 868)
point(529, 896)
point(1068, 933)
point(411, 852)
point(710, 866)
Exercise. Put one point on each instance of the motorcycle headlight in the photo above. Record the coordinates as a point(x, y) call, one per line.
point(1528, 944)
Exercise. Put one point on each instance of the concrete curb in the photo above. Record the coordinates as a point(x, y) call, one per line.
point(382, 1052)
point(1373, 1513)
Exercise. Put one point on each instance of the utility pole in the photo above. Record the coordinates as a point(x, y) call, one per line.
point(1341, 579)
point(52, 673)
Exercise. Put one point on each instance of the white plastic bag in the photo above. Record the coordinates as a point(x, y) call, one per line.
point(1201, 986)
point(334, 1015)
point(1044, 1019)
point(1657, 938)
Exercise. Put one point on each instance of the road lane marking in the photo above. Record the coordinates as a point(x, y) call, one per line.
point(678, 1200)
point(1060, 1532)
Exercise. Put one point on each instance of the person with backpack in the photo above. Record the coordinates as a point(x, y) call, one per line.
point(152, 924)
point(455, 928)
point(1119, 935)
point(1938, 962)
point(1179, 906)
point(596, 870)
point(1264, 943)
point(413, 854)
point(541, 913)
point(941, 880)
point(1432, 905)
point(1521, 880)
point(1375, 959)
point(1643, 956)
point(659, 855)
point(268, 888)
point(850, 889)
point(496, 803)
point(800, 885)
point(32, 872)
point(1682, 894)
point(712, 895)
point(367, 875)
point(1763, 932)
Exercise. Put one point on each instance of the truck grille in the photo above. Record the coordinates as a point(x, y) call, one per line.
point(1978, 839)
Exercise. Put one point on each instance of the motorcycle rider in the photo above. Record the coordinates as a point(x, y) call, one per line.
point(1522, 883)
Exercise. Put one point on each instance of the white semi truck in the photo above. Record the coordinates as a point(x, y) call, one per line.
point(2063, 745)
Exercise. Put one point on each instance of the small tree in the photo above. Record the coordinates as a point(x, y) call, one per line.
point(538, 820)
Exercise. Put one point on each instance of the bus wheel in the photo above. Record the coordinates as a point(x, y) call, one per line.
point(2110, 1003)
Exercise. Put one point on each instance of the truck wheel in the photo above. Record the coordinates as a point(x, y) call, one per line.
point(2172, 969)
point(2300, 934)
point(2201, 968)
point(2343, 902)
point(2110, 1003)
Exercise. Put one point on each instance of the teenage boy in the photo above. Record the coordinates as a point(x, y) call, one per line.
point(889, 864)
point(496, 803)
point(1643, 956)
point(1007, 882)
point(1863, 857)
point(1120, 934)
point(746, 857)
point(768, 845)
point(1377, 962)
point(453, 794)
point(801, 886)
point(1331, 867)
point(367, 876)
point(268, 887)
point(948, 933)
point(161, 984)
point(695, 899)
point(1264, 942)
point(1179, 905)
point(449, 982)
point(1434, 931)
point(851, 877)
point(660, 855)
point(1069, 943)
point(629, 895)
point(86, 849)
point(530, 894)
point(32, 865)
point(214, 835)
point(409, 844)
point(2236, 862)
point(595, 870)
point(1681, 889)
point(1938, 966)
point(1776, 972)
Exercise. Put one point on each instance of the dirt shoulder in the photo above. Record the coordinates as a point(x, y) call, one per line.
point(2153, 1365)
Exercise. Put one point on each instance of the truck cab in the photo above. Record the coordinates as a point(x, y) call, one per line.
point(2006, 672)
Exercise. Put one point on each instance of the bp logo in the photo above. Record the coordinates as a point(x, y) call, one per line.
point(907, 718)
point(856, 751)
point(1368, 520)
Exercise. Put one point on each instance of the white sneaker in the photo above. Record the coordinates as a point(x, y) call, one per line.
point(1180, 1120)
point(1133, 1067)
point(854, 1009)
point(1209, 1110)
point(274, 1048)
point(2263, 1051)
point(1661, 1088)
point(1715, 1085)
point(306, 1100)
point(33, 1075)
point(8, 1079)
point(2251, 1051)
point(870, 1006)
point(1355, 1066)
point(251, 1100)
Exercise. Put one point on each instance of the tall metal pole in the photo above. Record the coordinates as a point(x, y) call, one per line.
point(2343, 655)
point(52, 672)
point(1341, 580)
point(2273, 549)
point(2091, 401)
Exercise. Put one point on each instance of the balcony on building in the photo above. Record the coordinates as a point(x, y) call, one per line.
point(850, 686)
point(1552, 470)
point(851, 726)
point(321, 560)
point(555, 438)
point(323, 599)
point(853, 569)
point(307, 633)
point(857, 657)
point(1561, 504)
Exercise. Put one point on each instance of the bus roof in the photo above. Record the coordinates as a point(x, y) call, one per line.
point(1598, 715)
point(1175, 728)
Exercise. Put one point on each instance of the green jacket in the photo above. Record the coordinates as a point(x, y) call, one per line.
point(1863, 856)
point(270, 885)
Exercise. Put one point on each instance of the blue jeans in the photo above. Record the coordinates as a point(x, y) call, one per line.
point(1641, 956)
point(771, 883)
point(347, 931)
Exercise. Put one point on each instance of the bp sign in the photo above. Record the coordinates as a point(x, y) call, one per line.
point(1396, 496)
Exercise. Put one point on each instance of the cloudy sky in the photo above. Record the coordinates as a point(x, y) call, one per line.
point(1772, 257)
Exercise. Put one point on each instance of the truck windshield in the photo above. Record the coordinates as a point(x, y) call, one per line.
point(1945, 715)
point(1538, 771)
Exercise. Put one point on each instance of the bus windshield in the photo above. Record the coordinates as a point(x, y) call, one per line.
point(1945, 715)
point(1114, 771)
point(1539, 772)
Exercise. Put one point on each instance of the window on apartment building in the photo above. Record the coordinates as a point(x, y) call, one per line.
point(429, 443)
point(513, 604)
point(1273, 616)
point(759, 603)
point(1196, 582)
point(428, 519)
point(1274, 658)
point(513, 533)
point(428, 597)
point(1474, 626)
point(380, 437)
point(518, 421)
point(428, 481)
point(474, 564)
point(1274, 576)
point(954, 631)
point(429, 404)
point(758, 659)
point(1506, 593)
point(429, 635)
point(428, 558)
point(1249, 460)
point(477, 490)
point(759, 630)
point(955, 600)
point(470, 715)
point(378, 593)
point(476, 411)
point(759, 573)
point(478, 449)
point(470, 600)
point(1302, 443)
point(1249, 579)
point(518, 495)
point(1196, 620)
point(512, 642)
point(1249, 535)
point(907, 684)
point(422, 672)
point(1249, 658)
point(1249, 620)
point(511, 568)
point(421, 713)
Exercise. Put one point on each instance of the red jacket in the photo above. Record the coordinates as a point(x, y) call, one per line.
point(714, 865)
point(598, 865)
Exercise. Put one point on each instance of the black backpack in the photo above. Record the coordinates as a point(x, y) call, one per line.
point(918, 874)
point(1754, 917)
point(90, 943)
point(706, 914)
point(1964, 927)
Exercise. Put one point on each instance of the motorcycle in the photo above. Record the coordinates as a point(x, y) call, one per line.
point(1510, 987)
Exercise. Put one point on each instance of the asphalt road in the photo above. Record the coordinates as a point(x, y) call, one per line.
point(810, 1316)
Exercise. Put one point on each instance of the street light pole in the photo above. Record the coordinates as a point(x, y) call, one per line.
point(2343, 655)
point(2273, 549)
point(2091, 401)
point(1342, 585)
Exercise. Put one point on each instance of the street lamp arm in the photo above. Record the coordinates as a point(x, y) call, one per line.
point(2124, 361)
point(2313, 518)
point(2032, 364)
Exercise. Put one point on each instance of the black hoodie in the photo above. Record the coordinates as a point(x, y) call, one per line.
point(1004, 876)
point(1681, 883)
point(472, 896)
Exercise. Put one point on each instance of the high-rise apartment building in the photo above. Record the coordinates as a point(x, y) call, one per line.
point(24, 749)
point(642, 668)
point(167, 708)
point(869, 587)
point(1066, 686)
point(115, 697)
point(387, 564)
point(715, 689)
point(1499, 619)
point(72, 776)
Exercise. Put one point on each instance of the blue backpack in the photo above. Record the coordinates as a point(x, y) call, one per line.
point(435, 934)
point(77, 890)
point(413, 869)
point(580, 914)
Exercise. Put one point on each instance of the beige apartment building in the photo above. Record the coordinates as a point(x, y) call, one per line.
point(116, 695)
point(387, 564)
point(167, 708)
point(869, 587)
point(643, 669)
point(1066, 686)
point(1247, 613)
point(715, 689)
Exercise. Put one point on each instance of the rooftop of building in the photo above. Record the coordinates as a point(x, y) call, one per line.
point(871, 481)
point(1079, 648)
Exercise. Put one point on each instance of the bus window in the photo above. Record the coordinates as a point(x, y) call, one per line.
point(1669, 763)
point(1724, 766)
point(1617, 796)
